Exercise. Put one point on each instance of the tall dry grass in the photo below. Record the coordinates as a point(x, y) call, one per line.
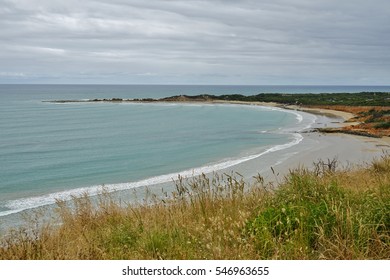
point(318, 214)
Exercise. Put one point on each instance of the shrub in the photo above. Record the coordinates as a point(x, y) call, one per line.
point(383, 125)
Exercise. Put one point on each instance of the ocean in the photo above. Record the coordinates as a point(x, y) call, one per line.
point(52, 151)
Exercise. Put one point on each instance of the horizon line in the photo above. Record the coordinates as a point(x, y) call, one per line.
point(162, 84)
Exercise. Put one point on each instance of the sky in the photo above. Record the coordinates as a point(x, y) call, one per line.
point(243, 42)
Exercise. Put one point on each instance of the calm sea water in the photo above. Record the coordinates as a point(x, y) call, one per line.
point(51, 151)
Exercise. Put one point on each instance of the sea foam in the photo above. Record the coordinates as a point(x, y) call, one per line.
point(19, 205)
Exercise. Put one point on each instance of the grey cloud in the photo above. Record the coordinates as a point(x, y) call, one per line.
point(246, 41)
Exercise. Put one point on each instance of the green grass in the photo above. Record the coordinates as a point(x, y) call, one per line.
point(315, 219)
point(318, 214)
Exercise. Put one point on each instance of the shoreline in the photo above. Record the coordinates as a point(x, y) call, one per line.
point(348, 149)
point(324, 140)
point(154, 182)
point(327, 142)
point(363, 114)
point(316, 111)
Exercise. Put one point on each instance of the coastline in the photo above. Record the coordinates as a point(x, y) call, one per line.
point(273, 166)
point(183, 99)
point(136, 221)
point(323, 140)
point(350, 150)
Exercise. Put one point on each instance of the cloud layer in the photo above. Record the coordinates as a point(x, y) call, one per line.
point(195, 41)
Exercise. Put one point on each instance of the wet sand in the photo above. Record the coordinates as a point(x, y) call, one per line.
point(350, 151)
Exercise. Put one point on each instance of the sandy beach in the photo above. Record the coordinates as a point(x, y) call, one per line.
point(316, 111)
point(350, 151)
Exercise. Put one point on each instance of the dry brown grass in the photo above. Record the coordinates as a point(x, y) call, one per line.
point(363, 116)
point(321, 214)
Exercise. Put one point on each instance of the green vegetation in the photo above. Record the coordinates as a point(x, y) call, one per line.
point(383, 125)
point(345, 99)
point(322, 213)
point(374, 121)
point(315, 99)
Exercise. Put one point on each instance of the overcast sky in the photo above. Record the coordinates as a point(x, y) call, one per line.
point(259, 42)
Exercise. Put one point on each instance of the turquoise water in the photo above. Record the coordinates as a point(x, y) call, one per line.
point(51, 151)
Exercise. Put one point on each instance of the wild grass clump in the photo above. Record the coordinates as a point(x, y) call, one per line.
point(310, 217)
point(319, 214)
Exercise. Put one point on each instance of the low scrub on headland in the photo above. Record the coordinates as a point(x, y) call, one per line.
point(373, 120)
point(321, 213)
point(372, 109)
point(342, 99)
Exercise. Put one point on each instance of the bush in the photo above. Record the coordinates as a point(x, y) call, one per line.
point(382, 125)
